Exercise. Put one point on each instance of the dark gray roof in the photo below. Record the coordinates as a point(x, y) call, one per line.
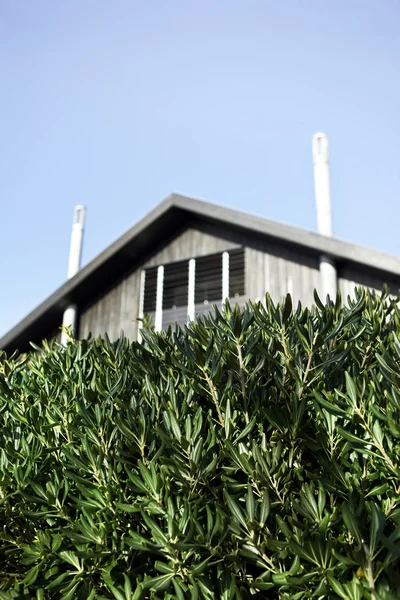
point(172, 215)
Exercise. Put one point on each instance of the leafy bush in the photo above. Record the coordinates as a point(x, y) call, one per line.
point(255, 453)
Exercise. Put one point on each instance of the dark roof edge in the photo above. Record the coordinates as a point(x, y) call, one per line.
point(59, 297)
point(372, 259)
point(314, 242)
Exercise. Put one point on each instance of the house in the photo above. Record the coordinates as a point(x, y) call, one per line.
point(186, 255)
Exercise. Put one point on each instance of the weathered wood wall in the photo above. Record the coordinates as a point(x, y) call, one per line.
point(115, 311)
point(279, 271)
point(190, 244)
point(269, 266)
point(118, 309)
point(350, 277)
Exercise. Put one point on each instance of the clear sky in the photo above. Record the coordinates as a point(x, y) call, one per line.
point(117, 104)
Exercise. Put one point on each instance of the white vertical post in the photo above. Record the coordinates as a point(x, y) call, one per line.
point(159, 298)
point(75, 252)
point(69, 322)
point(74, 265)
point(225, 276)
point(328, 274)
point(141, 304)
point(191, 289)
point(322, 183)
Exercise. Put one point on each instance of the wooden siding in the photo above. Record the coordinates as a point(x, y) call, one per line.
point(179, 315)
point(115, 311)
point(266, 271)
point(350, 277)
point(269, 266)
point(192, 243)
point(174, 315)
point(118, 309)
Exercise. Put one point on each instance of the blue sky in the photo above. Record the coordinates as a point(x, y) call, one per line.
point(116, 104)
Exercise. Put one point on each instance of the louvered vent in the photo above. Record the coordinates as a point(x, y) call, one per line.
point(208, 286)
point(236, 273)
point(208, 280)
point(176, 281)
point(150, 291)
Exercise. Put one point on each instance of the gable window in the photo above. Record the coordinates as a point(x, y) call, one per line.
point(176, 292)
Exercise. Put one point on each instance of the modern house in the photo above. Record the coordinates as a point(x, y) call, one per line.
point(186, 255)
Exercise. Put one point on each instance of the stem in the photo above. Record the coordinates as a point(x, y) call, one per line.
point(241, 371)
point(370, 577)
point(283, 340)
point(377, 444)
point(214, 397)
point(306, 372)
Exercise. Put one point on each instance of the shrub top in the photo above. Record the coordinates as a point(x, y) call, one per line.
point(252, 453)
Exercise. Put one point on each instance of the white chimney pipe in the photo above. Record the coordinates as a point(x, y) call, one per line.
point(75, 251)
point(74, 265)
point(328, 274)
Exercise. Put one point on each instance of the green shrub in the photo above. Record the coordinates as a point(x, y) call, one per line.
point(254, 453)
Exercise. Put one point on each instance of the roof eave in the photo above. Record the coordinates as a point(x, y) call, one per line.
point(176, 207)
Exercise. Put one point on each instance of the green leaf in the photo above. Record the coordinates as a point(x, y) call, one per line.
point(265, 507)
point(31, 576)
point(377, 431)
point(70, 594)
point(116, 593)
point(129, 508)
point(351, 390)
point(248, 429)
point(331, 408)
point(376, 527)
point(176, 430)
point(354, 589)
point(138, 591)
point(201, 567)
point(158, 584)
point(250, 504)
point(71, 558)
point(235, 509)
point(347, 435)
point(178, 589)
point(351, 522)
point(379, 490)
point(394, 428)
point(287, 308)
point(337, 588)
point(127, 587)
point(56, 542)
point(227, 419)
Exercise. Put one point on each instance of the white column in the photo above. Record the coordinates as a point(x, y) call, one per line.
point(322, 183)
point(74, 265)
point(69, 322)
point(75, 252)
point(141, 304)
point(225, 276)
point(328, 275)
point(159, 298)
point(191, 289)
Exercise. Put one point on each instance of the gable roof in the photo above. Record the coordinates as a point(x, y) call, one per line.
point(174, 213)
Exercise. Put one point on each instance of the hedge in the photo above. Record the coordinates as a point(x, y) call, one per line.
point(253, 453)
